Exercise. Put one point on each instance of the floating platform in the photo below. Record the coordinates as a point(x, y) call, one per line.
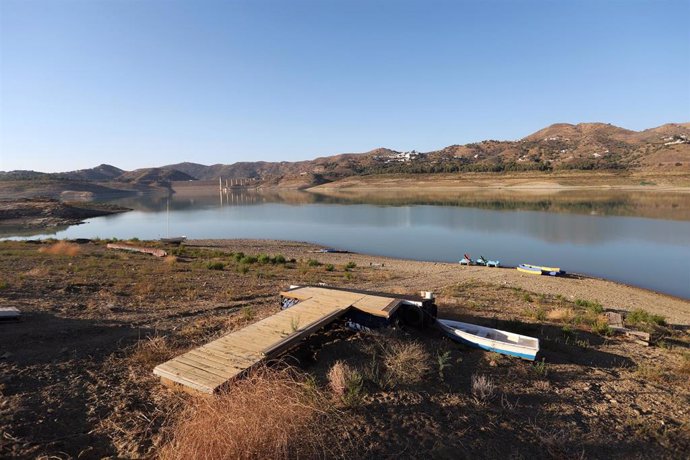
point(208, 368)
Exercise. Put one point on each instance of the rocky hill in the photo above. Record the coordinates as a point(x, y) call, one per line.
point(562, 146)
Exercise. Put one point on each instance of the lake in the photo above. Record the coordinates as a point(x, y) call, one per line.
point(640, 238)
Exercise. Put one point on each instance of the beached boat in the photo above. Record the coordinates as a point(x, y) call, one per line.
point(170, 239)
point(489, 263)
point(486, 338)
point(466, 260)
point(540, 270)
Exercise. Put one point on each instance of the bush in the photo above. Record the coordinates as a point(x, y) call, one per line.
point(61, 248)
point(313, 263)
point(269, 414)
point(239, 256)
point(215, 265)
point(279, 259)
point(248, 260)
point(330, 267)
point(350, 265)
point(483, 388)
point(405, 362)
point(593, 306)
point(242, 268)
point(263, 259)
point(346, 383)
point(642, 317)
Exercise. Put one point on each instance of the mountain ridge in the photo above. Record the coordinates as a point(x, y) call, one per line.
point(560, 146)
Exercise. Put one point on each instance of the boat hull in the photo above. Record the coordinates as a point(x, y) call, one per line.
point(539, 270)
point(459, 332)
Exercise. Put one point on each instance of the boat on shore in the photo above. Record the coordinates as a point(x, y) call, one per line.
point(170, 239)
point(488, 263)
point(490, 339)
point(540, 270)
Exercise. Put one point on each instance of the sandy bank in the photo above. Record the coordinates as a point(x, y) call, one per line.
point(410, 275)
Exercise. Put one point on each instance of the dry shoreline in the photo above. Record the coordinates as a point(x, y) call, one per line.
point(419, 275)
point(76, 371)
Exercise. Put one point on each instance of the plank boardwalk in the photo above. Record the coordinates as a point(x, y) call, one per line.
point(208, 368)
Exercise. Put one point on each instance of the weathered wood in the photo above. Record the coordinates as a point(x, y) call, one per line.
point(127, 247)
point(210, 367)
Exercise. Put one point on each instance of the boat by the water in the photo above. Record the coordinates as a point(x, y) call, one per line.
point(490, 339)
point(170, 239)
point(466, 260)
point(174, 240)
point(489, 263)
point(540, 270)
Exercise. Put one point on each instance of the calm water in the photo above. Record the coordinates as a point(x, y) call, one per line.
point(641, 239)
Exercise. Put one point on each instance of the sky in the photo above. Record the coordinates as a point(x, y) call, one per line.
point(140, 83)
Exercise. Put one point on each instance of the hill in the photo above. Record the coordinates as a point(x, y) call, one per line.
point(559, 147)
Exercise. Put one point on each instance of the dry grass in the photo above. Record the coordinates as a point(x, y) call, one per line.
point(483, 388)
point(150, 352)
point(61, 248)
point(406, 362)
point(346, 383)
point(565, 315)
point(270, 414)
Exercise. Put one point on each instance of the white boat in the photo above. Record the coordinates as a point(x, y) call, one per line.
point(170, 239)
point(487, 338)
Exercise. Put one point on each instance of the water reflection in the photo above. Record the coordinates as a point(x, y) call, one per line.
point(622, 236)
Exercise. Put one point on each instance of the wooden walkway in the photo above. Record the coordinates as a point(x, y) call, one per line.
point(208, 368)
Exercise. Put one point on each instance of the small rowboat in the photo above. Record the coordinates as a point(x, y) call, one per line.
point(539, 270)
point(489, 263)
point(174, 240)
point(487, 338)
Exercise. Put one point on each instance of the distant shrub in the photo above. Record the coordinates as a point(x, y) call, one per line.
point(350, 265)
point(642, 317)
point(279, 259)
point(313, 263)
point(263, 259)
point(242, 268)
point(330, 267)
point(61, 248)
point(593, 306)
point(238, 256)
point(215, 265)
point(248, 260)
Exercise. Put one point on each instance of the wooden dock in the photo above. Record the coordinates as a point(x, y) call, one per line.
point(208, 368)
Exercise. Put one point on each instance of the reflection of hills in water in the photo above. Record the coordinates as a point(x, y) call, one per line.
point(655, 205)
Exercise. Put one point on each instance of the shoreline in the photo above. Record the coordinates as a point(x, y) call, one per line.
point(435, 276)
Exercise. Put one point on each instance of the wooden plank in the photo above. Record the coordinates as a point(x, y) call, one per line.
point(224, 372)
point(279, 347)
point(195, 374)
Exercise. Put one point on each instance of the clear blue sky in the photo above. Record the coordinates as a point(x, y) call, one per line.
point(146, 83)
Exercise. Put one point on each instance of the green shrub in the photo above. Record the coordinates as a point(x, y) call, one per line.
point(242, 268)
point(215, 265)
point(313, 263)
point(593, 306)
point(263, 259)
point(248, 260)
point(239, 256)
point(642, 317)
point(350, 265)
point(279, 259)
point(330, 267)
